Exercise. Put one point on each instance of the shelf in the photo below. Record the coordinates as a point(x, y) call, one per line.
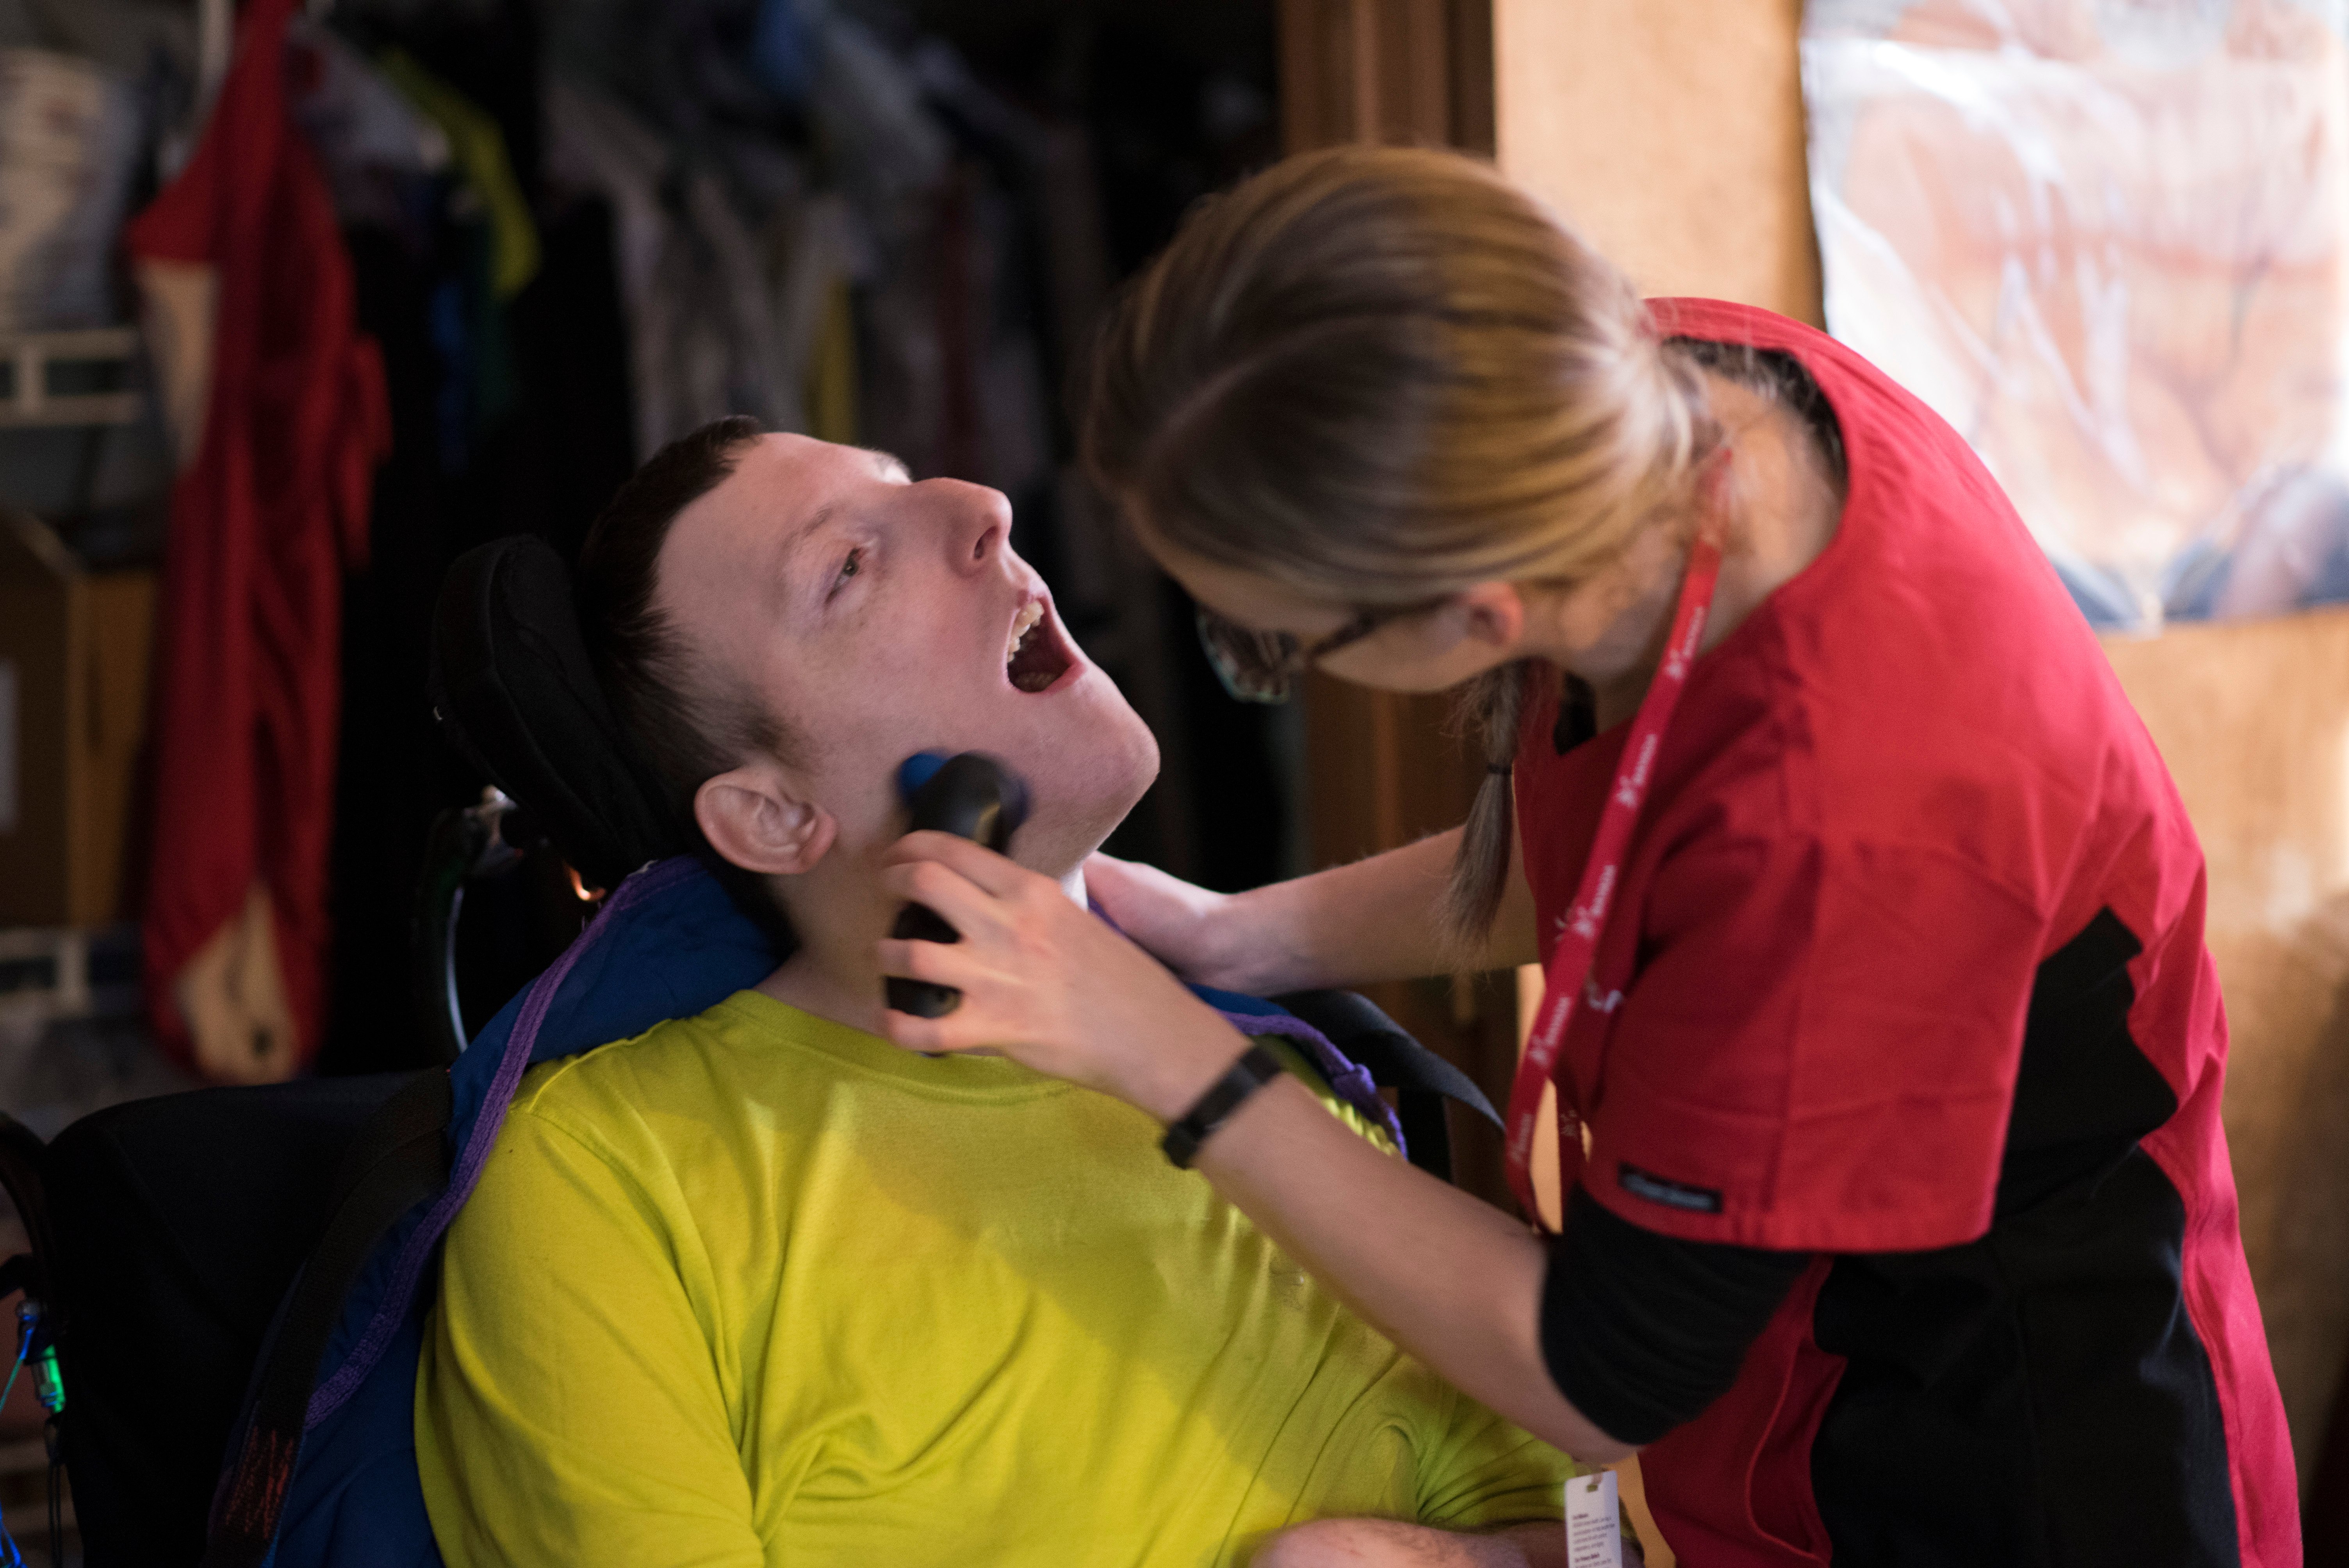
point(85, 377)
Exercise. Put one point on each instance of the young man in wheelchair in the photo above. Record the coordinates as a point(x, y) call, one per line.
point(758, 1286)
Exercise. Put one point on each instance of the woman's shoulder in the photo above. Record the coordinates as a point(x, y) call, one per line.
point(1931, 601)
point(1741, 326)
point(1899, 430)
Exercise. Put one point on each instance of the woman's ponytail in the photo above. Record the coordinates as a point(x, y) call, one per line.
point(1491, 709)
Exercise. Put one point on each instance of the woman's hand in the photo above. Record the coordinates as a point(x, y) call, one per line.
point(1189, 928)
point(1047, 983)
point(1350, 925)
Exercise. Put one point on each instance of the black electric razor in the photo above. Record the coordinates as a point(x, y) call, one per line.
point(971, 796)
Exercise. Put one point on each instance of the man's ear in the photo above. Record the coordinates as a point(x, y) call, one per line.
point(754, 819)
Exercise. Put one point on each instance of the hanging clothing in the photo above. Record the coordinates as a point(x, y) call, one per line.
point(701, 332)
point(480, 150)
point(1907, 986)
point(379, 150)
point(268, 511)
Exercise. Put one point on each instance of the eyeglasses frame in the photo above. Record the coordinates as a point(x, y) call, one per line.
point(1265, 666)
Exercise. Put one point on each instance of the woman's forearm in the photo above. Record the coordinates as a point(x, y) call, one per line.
point(1447, 1276)
point(1375, 919)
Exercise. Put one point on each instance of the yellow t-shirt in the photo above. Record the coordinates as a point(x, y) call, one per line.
point(758, 1288)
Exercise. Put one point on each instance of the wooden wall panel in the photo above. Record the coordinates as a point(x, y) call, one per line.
point(2253, 721)
point(1671, 133)
point(1413, 72)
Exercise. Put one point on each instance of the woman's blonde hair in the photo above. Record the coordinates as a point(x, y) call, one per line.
point(1383, 375)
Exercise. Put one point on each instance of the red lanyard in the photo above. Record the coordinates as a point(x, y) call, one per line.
point(1578, 938)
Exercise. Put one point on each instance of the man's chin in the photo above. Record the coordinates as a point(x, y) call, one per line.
point(1084, 791)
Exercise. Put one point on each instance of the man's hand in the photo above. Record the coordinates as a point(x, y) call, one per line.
point(1386, 1543)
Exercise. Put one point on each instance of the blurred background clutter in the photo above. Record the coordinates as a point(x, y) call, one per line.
point(303, 301)
point(298, 302)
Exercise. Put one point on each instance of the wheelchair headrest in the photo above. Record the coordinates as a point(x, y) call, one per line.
point(513, 690)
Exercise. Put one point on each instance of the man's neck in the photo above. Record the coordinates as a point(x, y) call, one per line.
point(835, 970)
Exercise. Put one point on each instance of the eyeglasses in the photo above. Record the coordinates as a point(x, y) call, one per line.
point(1264, 667)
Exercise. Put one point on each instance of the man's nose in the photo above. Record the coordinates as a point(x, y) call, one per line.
point(978, 526)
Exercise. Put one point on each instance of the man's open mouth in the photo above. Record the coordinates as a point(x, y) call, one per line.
point(1035, 656)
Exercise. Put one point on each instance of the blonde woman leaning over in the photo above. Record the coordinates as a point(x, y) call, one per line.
point(1873, 927)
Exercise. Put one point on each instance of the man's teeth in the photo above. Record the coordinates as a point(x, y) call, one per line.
point(1030, 616)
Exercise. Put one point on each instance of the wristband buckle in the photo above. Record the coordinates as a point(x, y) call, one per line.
point(1255, 1068)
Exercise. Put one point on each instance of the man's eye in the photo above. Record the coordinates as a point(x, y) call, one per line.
point(853, 565)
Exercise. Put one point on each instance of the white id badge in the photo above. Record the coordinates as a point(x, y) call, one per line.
point(1594, 1529)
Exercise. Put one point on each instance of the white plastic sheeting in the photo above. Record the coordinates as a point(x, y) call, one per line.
point(2105, 240)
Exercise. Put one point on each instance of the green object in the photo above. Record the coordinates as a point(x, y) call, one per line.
point(48, 1383)
point(480, 150)
point(32, 1346)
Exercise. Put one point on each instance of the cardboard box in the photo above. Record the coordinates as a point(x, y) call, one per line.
point(74, 652)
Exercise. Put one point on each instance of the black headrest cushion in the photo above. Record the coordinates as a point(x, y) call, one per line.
point(512, 689)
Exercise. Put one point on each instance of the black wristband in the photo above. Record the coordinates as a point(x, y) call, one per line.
point(1255, 1070)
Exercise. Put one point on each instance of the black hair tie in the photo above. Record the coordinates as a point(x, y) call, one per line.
point(1502, 767)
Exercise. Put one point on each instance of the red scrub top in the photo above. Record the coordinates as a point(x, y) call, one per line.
point(1908, 972)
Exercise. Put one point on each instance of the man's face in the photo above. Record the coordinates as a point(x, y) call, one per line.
point(878, 618)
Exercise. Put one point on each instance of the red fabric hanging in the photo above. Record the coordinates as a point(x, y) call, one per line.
point(264, 521)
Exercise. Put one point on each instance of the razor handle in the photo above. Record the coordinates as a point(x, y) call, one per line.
point(971, 796)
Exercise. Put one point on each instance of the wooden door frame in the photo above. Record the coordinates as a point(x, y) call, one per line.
point(1418, 72)
point(1384, 769)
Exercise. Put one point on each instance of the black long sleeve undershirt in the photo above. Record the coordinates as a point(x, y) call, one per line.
point(1642, 1332)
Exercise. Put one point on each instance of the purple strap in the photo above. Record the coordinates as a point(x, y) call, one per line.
point(1350, 1079)
point(391, 1312)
